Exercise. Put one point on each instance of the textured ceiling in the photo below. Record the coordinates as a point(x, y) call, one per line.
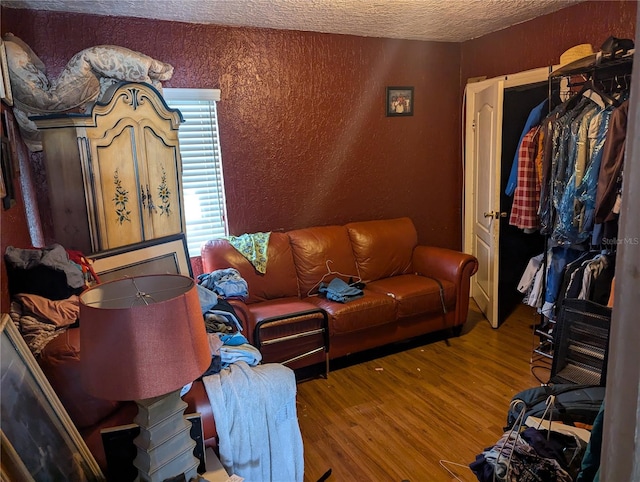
point(439, 20)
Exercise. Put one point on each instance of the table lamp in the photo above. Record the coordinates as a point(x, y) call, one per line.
point(143, 338)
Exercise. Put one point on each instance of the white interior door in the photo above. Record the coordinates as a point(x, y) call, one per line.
point(482, 184)
point(483, 154)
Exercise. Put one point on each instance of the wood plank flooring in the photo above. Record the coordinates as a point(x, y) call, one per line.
point(395, 414)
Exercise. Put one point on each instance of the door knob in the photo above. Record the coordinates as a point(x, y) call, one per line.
point(495, 215)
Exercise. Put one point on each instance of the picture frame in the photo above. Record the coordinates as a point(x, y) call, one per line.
point(37, 433)
point(5, 82)
point(400, 101)
point(166, 255)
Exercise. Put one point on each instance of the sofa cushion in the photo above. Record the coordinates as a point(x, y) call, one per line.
point(383, 248)
point(60, 362)
point(416, 294)
point(373, 309)
point(279, 281)
point(321, 254)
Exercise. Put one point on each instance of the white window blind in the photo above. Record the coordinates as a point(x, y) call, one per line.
point(202, 182)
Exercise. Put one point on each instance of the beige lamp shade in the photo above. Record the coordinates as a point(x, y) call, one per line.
point(142, 337)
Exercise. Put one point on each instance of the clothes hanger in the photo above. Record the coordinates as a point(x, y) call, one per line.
point(512, 435)
point(331, 272)
point(550, 406)
point(594, 96)
point(587, 89)
point(590, 86)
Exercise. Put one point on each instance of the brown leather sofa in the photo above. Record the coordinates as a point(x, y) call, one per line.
point(410, 290)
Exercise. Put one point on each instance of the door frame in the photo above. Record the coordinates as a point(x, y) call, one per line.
point(468, 202)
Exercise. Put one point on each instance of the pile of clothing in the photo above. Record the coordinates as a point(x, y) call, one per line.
point(254, 405)
point(530, 456)
point(223, 327)
point(43, 285)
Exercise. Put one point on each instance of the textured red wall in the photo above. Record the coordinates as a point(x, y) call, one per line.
point(305, 140)
point(541, 41)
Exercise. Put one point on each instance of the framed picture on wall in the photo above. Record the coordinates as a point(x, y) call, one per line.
point(399, 101)
point(167, 255)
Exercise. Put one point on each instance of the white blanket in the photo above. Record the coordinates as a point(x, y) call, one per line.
point(255, 413)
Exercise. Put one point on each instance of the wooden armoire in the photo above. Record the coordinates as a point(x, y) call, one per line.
point(114, 172)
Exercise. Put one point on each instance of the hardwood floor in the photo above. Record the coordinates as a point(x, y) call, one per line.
point(392, 416)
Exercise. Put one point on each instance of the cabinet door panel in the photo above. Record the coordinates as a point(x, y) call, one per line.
point(163, 172)
point(118, 198)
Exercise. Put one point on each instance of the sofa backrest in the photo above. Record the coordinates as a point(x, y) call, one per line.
point(383, 248)
point(321, 254)
point(279, 281)
point(299, 260)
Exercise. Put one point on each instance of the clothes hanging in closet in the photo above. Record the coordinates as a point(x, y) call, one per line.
point(610, 180)
point(574, 221)
point(530, 284)
point(559, 169)
point(570, 165)
point(590, 279)
point(526, 197)
point(534, 119)
point(569, 273)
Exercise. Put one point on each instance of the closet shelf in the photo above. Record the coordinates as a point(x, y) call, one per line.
point(580, 67)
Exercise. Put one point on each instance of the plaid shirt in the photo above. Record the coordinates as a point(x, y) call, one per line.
point(526, 198)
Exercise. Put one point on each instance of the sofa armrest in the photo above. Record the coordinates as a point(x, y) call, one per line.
point(450, 265)
point(60, 362)
point(444, 263)
point(244, 316)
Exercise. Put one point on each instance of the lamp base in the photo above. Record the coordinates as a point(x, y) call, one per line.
point(165, 447)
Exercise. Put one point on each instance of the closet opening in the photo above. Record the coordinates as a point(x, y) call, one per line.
point(516, 246)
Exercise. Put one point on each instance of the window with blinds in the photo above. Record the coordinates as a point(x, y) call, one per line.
point(202, 183)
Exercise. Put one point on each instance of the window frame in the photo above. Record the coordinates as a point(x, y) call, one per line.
point(176, 99)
